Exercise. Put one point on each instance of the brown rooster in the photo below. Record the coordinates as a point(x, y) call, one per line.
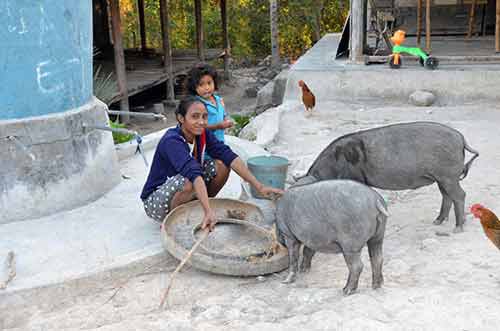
point(489, 221)
point(308, 97)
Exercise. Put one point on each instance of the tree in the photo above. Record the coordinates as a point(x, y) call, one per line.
point(273, 9)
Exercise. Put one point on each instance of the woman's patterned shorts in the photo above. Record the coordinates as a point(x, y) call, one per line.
point(157, 204)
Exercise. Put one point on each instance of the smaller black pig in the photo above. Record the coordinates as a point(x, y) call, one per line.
point(333, 216)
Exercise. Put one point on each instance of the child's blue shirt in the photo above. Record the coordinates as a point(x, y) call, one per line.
point(216, 114)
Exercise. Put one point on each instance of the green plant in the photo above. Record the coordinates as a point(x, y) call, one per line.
point(104, 85)
point(119, 138)
point(240, 121)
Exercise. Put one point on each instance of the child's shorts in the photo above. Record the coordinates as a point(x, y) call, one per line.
point(157, 204)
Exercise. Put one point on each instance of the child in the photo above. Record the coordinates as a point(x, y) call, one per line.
point(202, 82)
point(179, 172)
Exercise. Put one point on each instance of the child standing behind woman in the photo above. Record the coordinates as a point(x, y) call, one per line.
point(202, 82)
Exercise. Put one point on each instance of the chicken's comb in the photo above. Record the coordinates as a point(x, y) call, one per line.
point(475, 207)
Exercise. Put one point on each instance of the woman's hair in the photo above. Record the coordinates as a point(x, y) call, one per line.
point(196, 73)
point(184, 105)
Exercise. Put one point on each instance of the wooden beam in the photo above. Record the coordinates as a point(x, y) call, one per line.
point(356, 50)
point(142, 24)
point(275, 48)
point(419, 21)
point(428, 25)
point(225, 38)
point(199, 30)
point(497, 28)
point(167, 49)
point(472, 13)
point(121, 75)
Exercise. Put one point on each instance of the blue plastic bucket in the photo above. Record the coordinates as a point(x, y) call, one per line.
point(269, 170)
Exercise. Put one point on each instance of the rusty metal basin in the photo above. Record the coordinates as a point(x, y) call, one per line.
point(241, 244)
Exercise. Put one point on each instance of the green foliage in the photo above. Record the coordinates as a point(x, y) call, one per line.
point(104, 85)
point(119, 138)
point(248, 20)
point(240, 121)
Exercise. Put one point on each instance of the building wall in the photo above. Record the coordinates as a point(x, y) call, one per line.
point(46, 56)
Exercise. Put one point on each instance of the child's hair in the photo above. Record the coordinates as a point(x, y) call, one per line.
point(184, 106)
point(196, 73)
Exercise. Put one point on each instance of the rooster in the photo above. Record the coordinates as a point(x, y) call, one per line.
point(489, 221)
point(307, 96)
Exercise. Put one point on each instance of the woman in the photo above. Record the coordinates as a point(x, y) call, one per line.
point(179, 172)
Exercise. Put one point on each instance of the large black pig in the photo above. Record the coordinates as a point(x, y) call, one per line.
point(400, 157)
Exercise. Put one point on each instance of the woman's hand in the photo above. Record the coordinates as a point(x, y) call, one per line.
point(270, 192)
point(209, 220)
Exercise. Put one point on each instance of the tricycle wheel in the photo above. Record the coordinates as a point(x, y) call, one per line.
point(421, 60)
point(394, 65)
point(431, 63)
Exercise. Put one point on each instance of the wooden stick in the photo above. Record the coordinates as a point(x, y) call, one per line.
point(472, 13)
point(497, 28)
point(419, 21)
point(428, 25)
point(10, 270)
point(188, 256)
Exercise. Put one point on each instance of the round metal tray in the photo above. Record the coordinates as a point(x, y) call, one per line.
point(241, 244)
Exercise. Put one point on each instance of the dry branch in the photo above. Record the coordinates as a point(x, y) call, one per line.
point(188, 256)
point(9, 270)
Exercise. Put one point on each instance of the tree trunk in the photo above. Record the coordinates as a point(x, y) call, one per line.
point(142, 24)
point(225, 38)
point(199, 30)
point(275, 55)
point(121, 75)
point(167, 49)
point(318, 8)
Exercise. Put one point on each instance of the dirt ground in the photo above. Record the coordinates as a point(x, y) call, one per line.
point(434, 279)
point(233, 93)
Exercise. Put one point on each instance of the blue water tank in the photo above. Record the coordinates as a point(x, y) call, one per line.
point(45, 56)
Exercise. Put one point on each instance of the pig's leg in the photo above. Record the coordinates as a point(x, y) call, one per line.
point(457, 194)
point(293, 246)
point(376, 260)
point(307, 256)
point(445, 206)
point(353, 261)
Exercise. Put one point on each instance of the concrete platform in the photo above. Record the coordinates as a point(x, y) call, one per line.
point(332, 79)
point(108, 234)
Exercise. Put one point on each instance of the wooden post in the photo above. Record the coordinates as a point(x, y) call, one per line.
point(167, 49)
point(497, 28)
point(356, 47)
point(199, 30)
point(121, 75)
point(275, 49)
point(225, 38)
point(472, 13)
point(428, 25)
point(142, 24)
point(419, 21)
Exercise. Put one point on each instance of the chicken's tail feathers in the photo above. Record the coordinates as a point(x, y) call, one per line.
point(469, 163)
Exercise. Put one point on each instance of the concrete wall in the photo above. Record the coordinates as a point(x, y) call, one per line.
point(55, 162)
point(46, 56)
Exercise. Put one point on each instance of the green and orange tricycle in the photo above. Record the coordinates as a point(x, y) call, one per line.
point(395, 59)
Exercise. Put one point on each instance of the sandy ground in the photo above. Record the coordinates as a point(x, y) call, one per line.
point(434, 279)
